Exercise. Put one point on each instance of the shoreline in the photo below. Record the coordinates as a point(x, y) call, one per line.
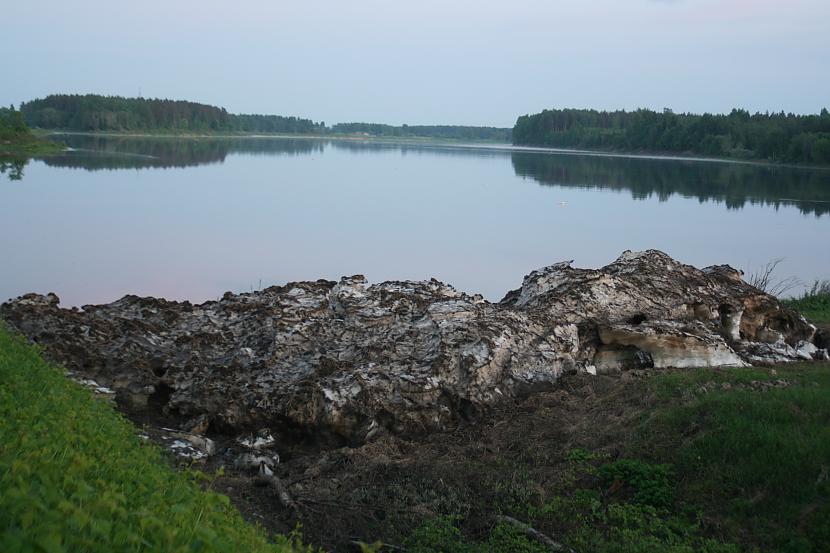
point(30, 148)
point(449, 143)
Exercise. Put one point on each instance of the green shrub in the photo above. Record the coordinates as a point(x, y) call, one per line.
point(74, 476)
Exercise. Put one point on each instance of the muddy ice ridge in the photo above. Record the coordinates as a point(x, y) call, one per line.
point(351, 360)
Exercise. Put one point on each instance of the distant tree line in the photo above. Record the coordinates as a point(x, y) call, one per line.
point(92, 112)
point(454, 132)
point(275, 124)
point(767, 136)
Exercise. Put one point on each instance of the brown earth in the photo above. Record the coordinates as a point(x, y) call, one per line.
point(383, 489)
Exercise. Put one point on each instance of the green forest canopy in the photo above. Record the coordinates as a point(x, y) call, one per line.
point(92, 112)
point(769, 136)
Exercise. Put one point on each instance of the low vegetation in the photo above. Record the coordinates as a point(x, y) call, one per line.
point(75, 476)
point(814, 303)
point(723, 461)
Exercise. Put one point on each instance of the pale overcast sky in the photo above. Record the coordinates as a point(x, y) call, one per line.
point(427, 61)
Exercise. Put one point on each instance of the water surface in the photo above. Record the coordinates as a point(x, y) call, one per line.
point(190, 219)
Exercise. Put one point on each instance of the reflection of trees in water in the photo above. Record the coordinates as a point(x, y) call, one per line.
point(729, 183)
point(130, 152)
point(364, 146)
point(13, 166)
point(107, 152)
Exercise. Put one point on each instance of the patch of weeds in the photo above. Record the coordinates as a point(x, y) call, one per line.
point(516, 493)
point(507, 539)
point(647, 484)
point(646, 519)
point(441, 535)
point(579, 454)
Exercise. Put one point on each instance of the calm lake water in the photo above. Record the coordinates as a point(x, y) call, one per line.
point(191, 219)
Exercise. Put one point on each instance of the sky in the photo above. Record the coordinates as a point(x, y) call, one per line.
point(470, 62)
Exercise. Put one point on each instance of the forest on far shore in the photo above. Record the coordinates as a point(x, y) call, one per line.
point(95, 113)
point(779, 137)
point(91, 112)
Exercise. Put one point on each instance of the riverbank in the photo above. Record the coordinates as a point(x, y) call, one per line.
point(449, 143)
point(30, 148)
point(721, 461)
point(434, 420)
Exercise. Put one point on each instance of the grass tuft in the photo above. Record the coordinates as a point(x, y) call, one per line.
point(814, 303)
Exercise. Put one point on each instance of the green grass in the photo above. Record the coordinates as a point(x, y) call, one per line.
point(815, 305)
point(74, 476)
point(757, 463)
point(718, 464)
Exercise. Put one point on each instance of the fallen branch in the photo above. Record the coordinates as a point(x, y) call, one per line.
point(267, 476)
point(377, 546)
point(533, 533)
